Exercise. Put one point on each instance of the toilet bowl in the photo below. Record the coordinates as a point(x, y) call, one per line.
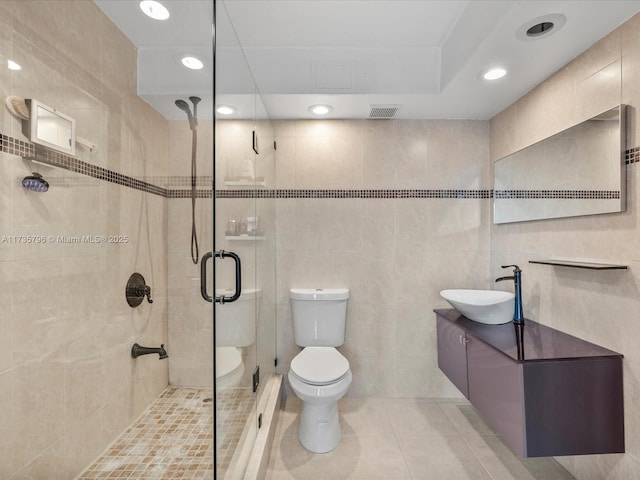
point(319, 375)
point(229, 367)
point(235, 329)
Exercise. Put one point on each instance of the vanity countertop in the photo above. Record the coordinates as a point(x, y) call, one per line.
point(532, 343)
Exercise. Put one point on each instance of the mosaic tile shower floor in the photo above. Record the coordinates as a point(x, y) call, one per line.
point(173, 439)
point(233, 408)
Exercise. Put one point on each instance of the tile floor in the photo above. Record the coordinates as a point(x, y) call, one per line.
point(402, 439)
point(232, 413)
point(173, 439)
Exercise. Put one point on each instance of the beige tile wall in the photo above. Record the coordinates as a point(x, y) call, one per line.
point(190, 317)
point(598, 306)
point(394, 255)
point(68, 385)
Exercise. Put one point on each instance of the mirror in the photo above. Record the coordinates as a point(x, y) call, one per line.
point(579, 171)
point(49, 127)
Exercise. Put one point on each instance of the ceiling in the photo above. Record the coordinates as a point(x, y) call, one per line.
point(425, 56)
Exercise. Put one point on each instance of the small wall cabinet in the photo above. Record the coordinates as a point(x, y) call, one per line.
point(546, 392)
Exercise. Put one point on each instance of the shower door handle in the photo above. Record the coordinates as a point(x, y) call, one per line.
point(203, 277)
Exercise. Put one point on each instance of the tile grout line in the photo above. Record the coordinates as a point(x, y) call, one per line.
point(397, 437)
point(473, 452)
point(464, 439)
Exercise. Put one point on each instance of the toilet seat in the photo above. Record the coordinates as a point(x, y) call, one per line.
point(319, 366)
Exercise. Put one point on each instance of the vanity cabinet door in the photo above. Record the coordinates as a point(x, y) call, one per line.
point(452, 354)
point(495, 390)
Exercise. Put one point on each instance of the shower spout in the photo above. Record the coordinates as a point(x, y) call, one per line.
point(137, 351)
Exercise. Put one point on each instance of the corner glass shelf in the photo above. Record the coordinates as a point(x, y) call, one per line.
point(250, 238)
point(586, 265)
point(258, 182)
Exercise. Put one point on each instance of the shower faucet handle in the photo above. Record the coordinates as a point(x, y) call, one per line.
point(136, 290)
point(147, 293)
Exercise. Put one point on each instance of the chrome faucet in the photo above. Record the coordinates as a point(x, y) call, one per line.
point(518, 316)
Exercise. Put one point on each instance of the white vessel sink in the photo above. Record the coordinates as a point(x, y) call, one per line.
point(491, 307)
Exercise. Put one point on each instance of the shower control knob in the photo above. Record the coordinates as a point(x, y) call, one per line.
point(136, 290)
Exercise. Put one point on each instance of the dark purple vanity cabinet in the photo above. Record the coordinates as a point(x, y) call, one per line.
point(546, 392)
point(452, 353)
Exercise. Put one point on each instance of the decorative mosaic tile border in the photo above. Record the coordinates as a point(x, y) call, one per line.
point(632, 155)
point(186, 193)
point(15, 146)
point(29, 150)
point(184, 180)
point(78, 166)
point(558, 194)
point(370, 193)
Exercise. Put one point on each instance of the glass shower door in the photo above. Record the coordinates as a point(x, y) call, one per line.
point(244, 219)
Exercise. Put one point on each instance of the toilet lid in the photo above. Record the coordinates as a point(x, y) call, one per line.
point(319, 365)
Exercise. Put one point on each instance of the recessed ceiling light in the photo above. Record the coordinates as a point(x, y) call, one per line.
point(320, 109)
point(11, 65)
point(193, 63)
point(226, 109)
point(494, 73)
point(154, 9)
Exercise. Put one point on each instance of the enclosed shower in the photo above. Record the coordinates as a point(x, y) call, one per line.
point(94, 386)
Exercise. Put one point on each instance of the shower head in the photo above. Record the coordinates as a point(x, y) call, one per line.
point(35, 182)
point(195, 101)
point(184, 106)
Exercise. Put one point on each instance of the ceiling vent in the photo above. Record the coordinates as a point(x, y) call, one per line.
point(383, 112)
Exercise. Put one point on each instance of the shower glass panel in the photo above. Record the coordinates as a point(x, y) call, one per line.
point(244, 224)
point(75, 403)
point(265, 209)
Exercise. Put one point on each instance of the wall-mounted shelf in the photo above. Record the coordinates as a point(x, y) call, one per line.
point(246, 183)
point(251, 238)
point(586, 265)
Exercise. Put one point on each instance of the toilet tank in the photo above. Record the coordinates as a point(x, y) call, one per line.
point(236, 321)
point(319, 316)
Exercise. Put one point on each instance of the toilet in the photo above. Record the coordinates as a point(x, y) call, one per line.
point(229, 367)
point(319, 374)
point(235, 329)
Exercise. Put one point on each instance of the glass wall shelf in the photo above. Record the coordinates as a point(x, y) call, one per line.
point(586, 265)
